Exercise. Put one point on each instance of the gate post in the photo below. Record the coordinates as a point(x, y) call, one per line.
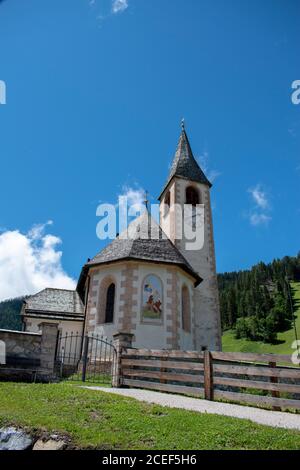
point(208, 376)
point(48, 346)
point(85, 357)
point(121, 341)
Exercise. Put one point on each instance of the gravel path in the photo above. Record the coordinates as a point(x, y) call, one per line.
point(269, 418)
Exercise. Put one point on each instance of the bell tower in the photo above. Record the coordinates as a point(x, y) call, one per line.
point(187, 184)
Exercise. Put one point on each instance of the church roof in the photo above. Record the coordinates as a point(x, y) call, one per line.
point(55, 302)
point(184, 164)
point(145, 242)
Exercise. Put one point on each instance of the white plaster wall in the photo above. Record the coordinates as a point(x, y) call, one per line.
point(165, 217)
point(155, 336)
point(149, 335)
point(65, 326)
point(107, 329)
point(186, 339)
point(146, 334)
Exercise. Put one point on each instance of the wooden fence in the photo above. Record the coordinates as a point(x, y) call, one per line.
point(260, 379)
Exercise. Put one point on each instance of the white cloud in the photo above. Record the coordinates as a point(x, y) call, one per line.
point(119, 5)
point(108, 9)
point(135, 196)
point(259, 196)
point(134, 204)
point(259, 219)
point(260, 212)
point(30, 262)
point(203, 161)
point(36, 232)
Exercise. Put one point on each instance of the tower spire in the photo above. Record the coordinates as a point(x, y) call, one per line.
point(184, 164)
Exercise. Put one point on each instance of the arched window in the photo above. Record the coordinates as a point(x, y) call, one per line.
point(106, 303)
point(192, 196)
point(185, 309)
point(110, 303)
point(152, 299)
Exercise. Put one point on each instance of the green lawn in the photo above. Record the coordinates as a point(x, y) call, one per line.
point(231, 344)
point(105, 421)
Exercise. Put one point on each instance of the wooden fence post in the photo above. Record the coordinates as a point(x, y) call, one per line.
point(208, 376)
point(274, 380)
point(162, 369)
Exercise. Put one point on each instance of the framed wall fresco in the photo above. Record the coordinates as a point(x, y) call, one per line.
point(152, 299)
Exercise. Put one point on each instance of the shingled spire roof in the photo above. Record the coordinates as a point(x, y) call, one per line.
point(140, 246)
point(184, 164)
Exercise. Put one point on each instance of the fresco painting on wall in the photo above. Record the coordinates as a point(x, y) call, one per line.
point(152, 298)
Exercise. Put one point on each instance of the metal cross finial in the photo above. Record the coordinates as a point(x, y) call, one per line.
point(182, 124)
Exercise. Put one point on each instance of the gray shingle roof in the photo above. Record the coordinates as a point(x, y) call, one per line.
point(55, 301)
point(184, 164)
point(147, 242)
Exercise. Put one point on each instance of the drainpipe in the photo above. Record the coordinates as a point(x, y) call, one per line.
point(85, 307)
point(22, 312)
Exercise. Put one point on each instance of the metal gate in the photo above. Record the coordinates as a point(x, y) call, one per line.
point(89, 358)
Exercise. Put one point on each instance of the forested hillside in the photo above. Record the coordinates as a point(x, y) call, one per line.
point(10, 318)
point(258, 303)
point(255, 304)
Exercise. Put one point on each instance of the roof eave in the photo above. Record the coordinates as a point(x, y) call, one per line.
point(81, 281)
point(195, 276)
point(59, 318)
point(34, 311)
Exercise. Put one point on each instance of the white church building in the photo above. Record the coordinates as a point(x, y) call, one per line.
point(151, 284)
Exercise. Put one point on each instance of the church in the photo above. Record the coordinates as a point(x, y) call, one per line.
point(154, 287)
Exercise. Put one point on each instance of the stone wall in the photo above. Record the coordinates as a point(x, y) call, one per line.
point(19, 344)
point(29, 356)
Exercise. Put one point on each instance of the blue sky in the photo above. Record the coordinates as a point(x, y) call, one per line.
point(95, 94)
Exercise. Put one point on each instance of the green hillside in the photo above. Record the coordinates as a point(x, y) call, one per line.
point(285, 339)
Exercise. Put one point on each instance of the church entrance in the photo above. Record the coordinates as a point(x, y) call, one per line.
point(88, 358)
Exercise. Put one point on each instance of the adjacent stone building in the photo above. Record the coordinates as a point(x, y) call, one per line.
point(60, 306)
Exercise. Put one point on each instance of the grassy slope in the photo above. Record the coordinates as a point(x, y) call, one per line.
point(106, 421)
point(231, 344)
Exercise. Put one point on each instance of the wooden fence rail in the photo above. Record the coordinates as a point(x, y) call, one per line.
point(238, 377)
